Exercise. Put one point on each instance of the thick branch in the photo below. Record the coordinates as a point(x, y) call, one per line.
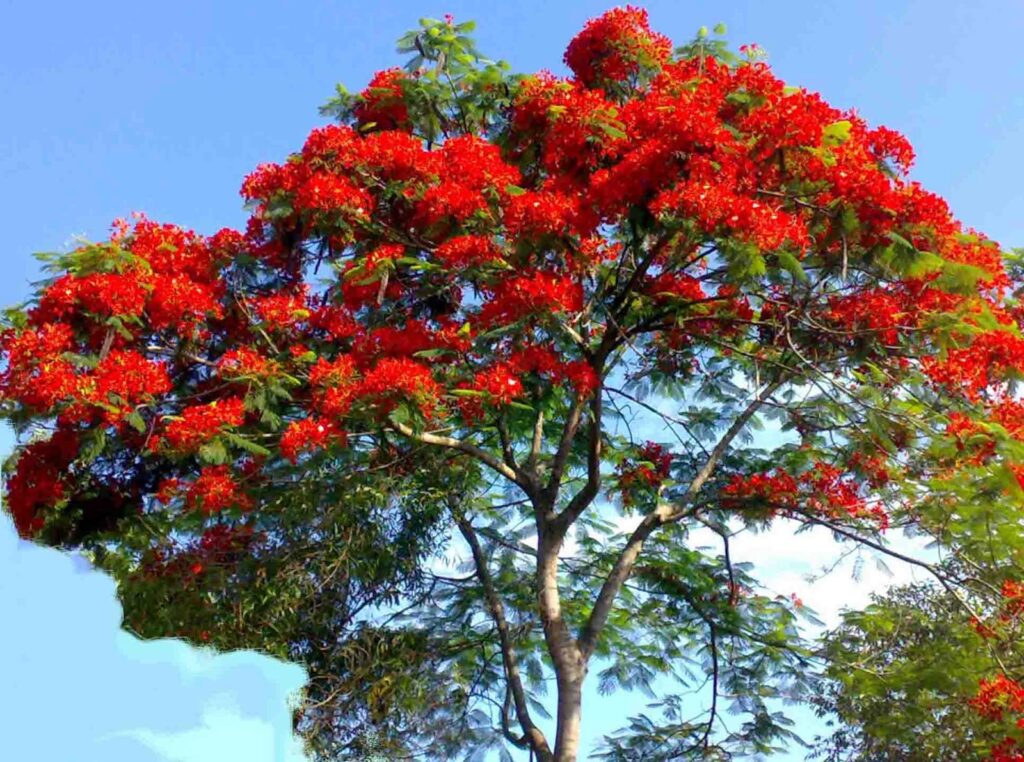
point(532, 733)
point(470, 449)
point(582, 499)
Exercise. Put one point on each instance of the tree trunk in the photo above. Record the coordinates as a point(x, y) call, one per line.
point(570, 703)
point(569, 662)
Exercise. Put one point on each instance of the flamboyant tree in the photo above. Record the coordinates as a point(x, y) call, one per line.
point(531, 322)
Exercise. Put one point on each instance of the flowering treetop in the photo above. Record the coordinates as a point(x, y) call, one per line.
point(485, 268)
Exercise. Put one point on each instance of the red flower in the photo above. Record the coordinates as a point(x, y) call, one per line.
point(308, 434)
point(537, 293)
point(214, 490)
point(199, 424)
point(615, 47)
point(246, 362)
point(41, 480)
point(382, 103)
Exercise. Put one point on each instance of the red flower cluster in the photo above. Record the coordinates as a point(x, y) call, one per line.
point(986, 361)
point(308, 434)
point(124, 379)
point(40, 481)
point(615, 47)
point(179, 302)
point(643, 473)
point(998, 696)
point(533, 294)
point(198, 424)
point(381, 103)
point(823, 490)
point(462, 252)
point(246, 362)
point(396, 379)
point(500, 383)
point(214, 490)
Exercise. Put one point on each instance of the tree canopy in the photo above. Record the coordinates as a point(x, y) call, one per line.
point(531, 323)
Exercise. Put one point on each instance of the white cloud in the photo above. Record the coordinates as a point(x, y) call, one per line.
point(76, 687)
point(225, 733)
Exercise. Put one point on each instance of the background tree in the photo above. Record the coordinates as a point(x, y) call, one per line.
point(903, 678)
point(540, 318)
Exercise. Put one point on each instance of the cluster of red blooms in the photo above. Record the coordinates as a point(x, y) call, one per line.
point(532, 294)
point(219, 547)
point(382, 104)
point(246, 362)
point(643, 473)
point(308, 434)
point(198, 424)
point(1001, 699)
point(823, 490)
point(972, 369)
point(464, 251)
point(1007, 617)
point(879, 312)
point(213, 490)
point(615, 47)
point(41, 480)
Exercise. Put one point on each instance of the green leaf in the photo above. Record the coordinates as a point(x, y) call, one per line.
point(792, 265)
point(136, 421)
point(214, 453)
point(246, 444)
point(836, 133)
point(466, 393)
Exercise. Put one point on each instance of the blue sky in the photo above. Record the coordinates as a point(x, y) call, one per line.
point(111, 107)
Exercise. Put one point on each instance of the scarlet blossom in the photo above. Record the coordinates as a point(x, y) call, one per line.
point(41, 480)
point(177, 301)
point(129, 376)
point(645, 471)
point(170, 250)
point(281, 310)
point(246, 362)
point(616, 46)
point(381, 103)
point(997, 696)
point(198, 424)
point(575, 129)
point(415, 336)
point(823, 490)
point(214, 490)
point(333, 144)
point(467, 251)
point(536, 214)
point(337, 372)
point(989, 357)
point(326, 192)
point(450, 201)
point(477, 164)
point(308, 434)
point(1013, 598)
point(546, 363)
point(500, 383)
point(36, 374)
point(335, 321)
point(103, 294)
point(676, 285)
point(396, 379)
point(536, 293)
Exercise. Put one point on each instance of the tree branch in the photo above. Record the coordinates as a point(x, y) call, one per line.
point(532, 733)
point(663, 514)
point(483, 456)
